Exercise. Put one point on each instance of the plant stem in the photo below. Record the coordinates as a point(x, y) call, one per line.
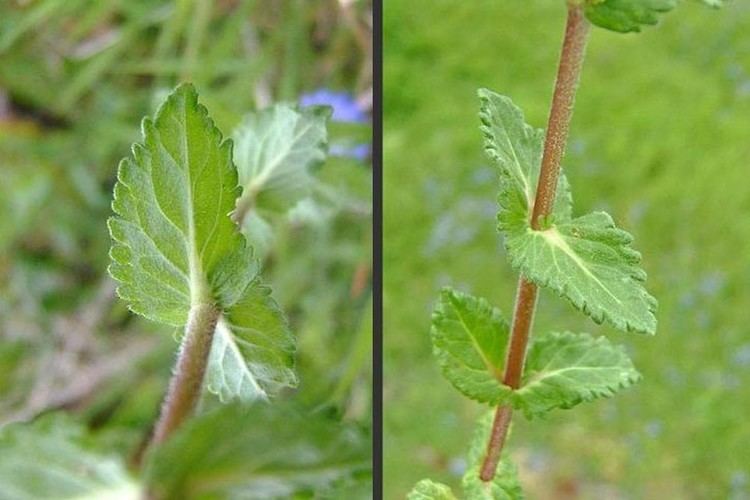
point(499, 432)
point(561, 111)
point(523, 317)
point(187, 380)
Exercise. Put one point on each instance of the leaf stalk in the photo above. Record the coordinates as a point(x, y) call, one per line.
point(561, 111)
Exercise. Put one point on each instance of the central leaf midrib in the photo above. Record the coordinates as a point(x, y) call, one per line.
point(540, 377)
point(494, 370)
point(199, 293)
point(227, 331)
point(555, 239)
point(266, 171)
point(521, 175)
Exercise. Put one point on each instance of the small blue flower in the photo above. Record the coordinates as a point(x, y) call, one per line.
point(345, 106)
point(357, 151)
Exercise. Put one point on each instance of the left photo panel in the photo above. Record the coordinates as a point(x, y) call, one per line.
point(186, 249)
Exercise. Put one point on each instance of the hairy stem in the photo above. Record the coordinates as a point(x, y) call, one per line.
point(499, 432)
point(187, 380)
point(523, 317)
point(561, 111)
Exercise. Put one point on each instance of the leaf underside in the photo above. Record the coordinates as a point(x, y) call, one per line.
point(626, 15)
point(275, 151)
point(587, 259)
point(176, 247)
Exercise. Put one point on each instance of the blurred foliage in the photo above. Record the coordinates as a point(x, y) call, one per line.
point(659, 139)
point(55, 458)
point(272, 451)
point(76, 77)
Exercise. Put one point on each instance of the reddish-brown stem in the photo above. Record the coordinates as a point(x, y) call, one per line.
point(187, 380)
point(561, 111)
point(523, 317)
point(496, 442)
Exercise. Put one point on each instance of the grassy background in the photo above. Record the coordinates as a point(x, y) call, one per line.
point(661, 139)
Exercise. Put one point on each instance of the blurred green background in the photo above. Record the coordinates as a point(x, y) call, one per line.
point(76, 78)
point(661, 139)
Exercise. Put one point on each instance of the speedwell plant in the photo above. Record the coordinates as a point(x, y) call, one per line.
point(187, 207)
point(586, 259)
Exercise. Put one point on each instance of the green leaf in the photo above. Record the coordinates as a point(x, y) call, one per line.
point(626, 15)
point(52, 458)
point(175, 247)
point(247, 359)
point(259, 232)
point(516, 148)
point(565, 369)
point(260, 451)
point(275, 150)
point(505, 484)
point(430, 490)
point(714, 4)
point(469, 340)
point(588, 261)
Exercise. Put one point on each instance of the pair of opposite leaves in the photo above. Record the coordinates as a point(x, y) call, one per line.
point(585, 259)
point(176, 247)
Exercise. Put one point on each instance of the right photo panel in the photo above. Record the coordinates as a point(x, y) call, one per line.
point(566, 249)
